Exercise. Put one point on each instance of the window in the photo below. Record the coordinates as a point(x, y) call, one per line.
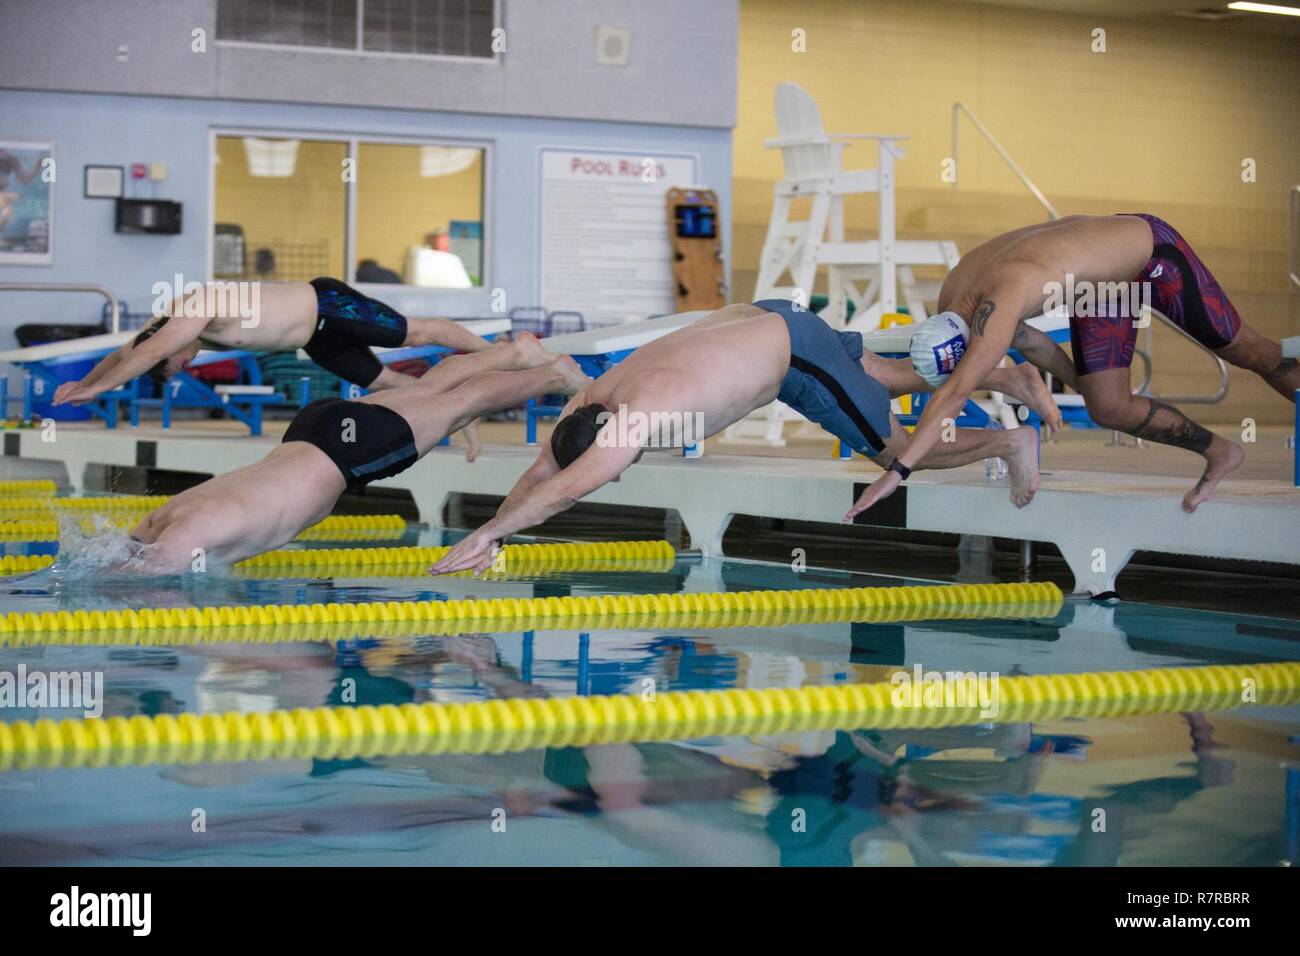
point(421, 27)
point(320, 23)
point(416, 206)
point(282, 210)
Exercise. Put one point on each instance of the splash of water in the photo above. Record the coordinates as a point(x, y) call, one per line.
point(103, 550)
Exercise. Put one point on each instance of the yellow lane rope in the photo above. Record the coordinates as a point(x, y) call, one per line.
point(276, 623)
point(27, 490)
point(103, 503)
point(513, 560)
point(24, 563)
point(44, 526)
point(515, 724)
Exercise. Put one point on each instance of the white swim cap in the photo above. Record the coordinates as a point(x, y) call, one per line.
point(938, 345)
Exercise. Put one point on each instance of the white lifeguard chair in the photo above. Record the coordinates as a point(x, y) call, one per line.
point(868, 274)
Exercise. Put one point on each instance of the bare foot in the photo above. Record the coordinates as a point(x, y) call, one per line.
point(531, 353)
point(575, 379)
point(1221, 458)
point(1022, 465)
point(1038, 397)
point(473, 446)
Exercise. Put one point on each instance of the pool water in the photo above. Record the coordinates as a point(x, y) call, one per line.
point(1170, 789)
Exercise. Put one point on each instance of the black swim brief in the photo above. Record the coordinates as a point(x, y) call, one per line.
point(347, 325)
point(366, 441)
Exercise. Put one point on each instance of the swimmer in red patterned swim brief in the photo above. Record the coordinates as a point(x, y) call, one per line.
point(1120, 265)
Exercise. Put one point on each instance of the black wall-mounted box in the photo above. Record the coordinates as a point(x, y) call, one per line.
point(148, 216)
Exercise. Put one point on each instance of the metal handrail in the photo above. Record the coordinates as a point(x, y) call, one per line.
point(1293, 238)
point(957, 109)
point(68, 287)
point(1214, 399)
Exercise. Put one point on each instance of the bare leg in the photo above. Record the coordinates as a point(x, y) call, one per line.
point(388, 378)
point(1018, 446)
point(1025, 385)
point(1022, 383)
point(443, 332)
point(523, 353)
point(1038, 349)
point(1112, 405)
point(494, 391)
point(472, 443)
point(1254, 352)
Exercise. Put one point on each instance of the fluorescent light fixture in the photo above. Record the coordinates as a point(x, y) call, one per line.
point(271, 157)
point(445, 161)
point(1265, 8)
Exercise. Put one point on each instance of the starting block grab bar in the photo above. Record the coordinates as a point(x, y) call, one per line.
point(114, 307)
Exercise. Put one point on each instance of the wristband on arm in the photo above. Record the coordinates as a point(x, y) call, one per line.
point(902, 469)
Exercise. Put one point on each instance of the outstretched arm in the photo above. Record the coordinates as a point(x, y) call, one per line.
point(542, 492)
point(993, 326)
point(131, 360)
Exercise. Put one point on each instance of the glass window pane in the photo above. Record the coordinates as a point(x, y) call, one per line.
point(447, 27)
point(320, 23)
point(281, 209)
point(420, 215)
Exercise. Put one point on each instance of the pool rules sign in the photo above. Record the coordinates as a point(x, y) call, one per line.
point(605, 244)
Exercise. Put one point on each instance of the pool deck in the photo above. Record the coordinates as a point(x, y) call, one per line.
point(1098, 519)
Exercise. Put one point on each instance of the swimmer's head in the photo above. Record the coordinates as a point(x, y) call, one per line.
point(938, 345)
point(169, 366)
point(575, 433)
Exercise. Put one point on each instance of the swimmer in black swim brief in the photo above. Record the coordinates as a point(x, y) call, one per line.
point(333, 446)
point(334, 323)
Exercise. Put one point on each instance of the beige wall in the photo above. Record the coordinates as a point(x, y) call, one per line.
point(1159, 123)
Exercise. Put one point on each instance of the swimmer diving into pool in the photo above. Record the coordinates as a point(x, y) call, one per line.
point(333, 446)
point(720, 369)
point(332, 322)
point(1010, 278)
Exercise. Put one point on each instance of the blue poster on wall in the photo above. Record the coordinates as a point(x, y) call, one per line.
point(26, 202)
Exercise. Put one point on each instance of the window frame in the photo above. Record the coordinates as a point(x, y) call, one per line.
point(358, 48)
point(353, 141)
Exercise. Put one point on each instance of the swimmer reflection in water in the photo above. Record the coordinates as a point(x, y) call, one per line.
point(333, 446)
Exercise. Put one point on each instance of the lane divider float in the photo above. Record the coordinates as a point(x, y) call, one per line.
point(515, 724)
point(284, 623)
point(28, 489)
point(513, 559)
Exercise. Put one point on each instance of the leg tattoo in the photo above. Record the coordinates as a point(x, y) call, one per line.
point(1177, 429)
point(1284, 367)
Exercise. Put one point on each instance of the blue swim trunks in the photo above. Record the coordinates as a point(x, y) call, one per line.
point(826, 382)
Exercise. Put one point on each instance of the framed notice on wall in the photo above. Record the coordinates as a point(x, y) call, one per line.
point(605, 249)
point(26, 202)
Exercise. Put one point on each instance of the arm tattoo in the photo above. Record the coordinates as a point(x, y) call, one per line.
point(981, 316)
point(1176, 429)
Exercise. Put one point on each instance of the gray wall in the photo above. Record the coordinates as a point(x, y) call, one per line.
point(682, 70)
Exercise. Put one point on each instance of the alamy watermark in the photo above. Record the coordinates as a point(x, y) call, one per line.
point(924, 689)
point(53, 690)
point(211, 300)
point(1087, 299)
point(650, 429)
